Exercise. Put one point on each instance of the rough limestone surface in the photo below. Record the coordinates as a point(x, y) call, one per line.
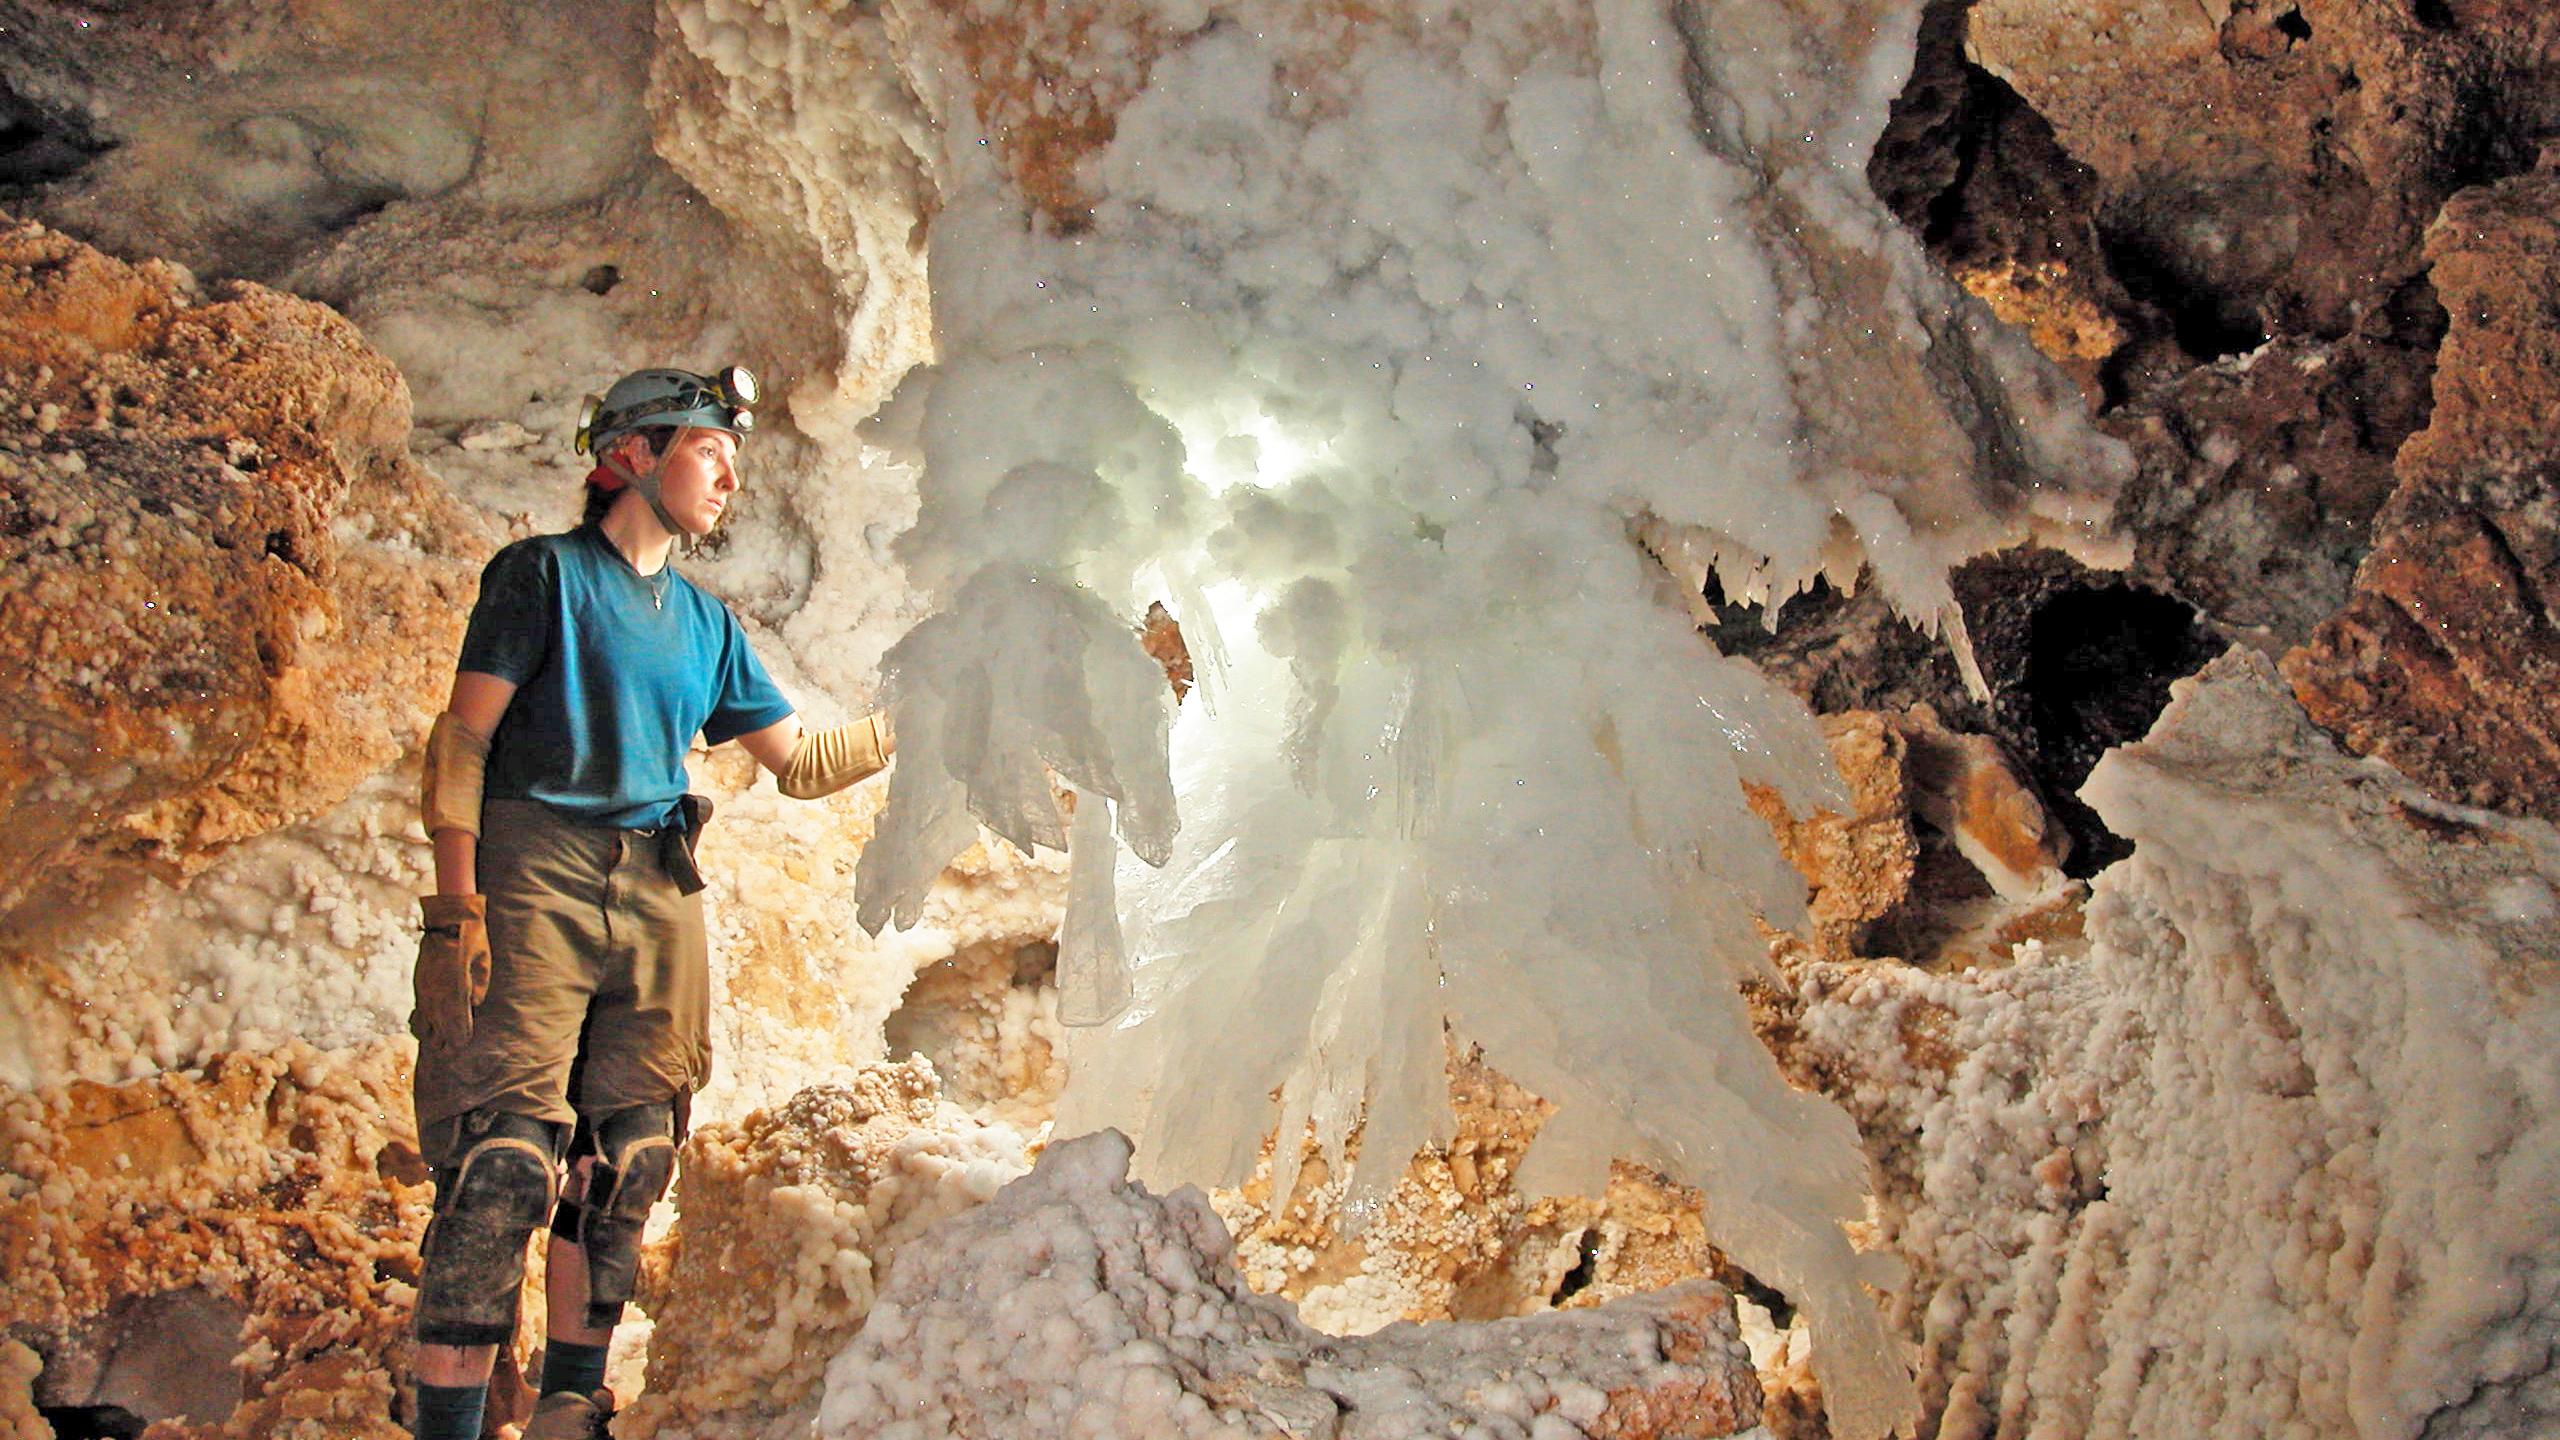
point(2262, 472)
point(19, 1367)
point(834, 180)
point(504, 199)
point(1076, 1303)
point(2264, 174)
point(2269, 1152)
point(1971, 168)
point(224, 579)
point(784, 1221)
point(2265, 166)
point(986, 1016)
point(231, 1246)
point(472, 185)
point(2446, 660)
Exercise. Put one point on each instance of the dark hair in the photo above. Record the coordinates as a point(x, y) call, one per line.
point(599, 499)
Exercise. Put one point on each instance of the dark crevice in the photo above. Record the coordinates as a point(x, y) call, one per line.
point(2486, 143)
point(2098, 665)
point(92, 1422)
point(2412, 318)
point(356, 208)
point(2292, 26)
point(2206, 325)
point(40, 145)
point(601, 279)
point(1843, 652)
point(1782, 1313)
point(1586, 1263)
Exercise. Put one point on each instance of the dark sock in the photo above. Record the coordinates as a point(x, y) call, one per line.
point(578, 1369)
point(450, 1412)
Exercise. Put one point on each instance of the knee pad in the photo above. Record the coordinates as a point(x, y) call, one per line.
point(635, 1162)
point(487, 1206)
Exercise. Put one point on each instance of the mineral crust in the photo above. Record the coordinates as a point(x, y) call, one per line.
point(784, 1223)
point(1077, 1304)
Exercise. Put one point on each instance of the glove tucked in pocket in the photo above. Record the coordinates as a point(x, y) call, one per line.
point(453, 967)
point(678, 842)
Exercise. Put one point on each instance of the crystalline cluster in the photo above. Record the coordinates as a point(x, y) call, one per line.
point(1075, 1303)
point(2272, 1152)
point(788, 1217)
point(1365, 346)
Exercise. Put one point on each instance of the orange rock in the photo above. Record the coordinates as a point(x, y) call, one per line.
point(227, 596)
point(1857, 867)
point(1454, 1239)
point(244, 1235)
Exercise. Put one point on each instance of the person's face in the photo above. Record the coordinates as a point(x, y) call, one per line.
point(698, 478)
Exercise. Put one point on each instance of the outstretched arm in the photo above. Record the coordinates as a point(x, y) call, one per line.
point(811, 763)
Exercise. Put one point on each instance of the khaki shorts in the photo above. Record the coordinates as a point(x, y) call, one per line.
point(599, 986)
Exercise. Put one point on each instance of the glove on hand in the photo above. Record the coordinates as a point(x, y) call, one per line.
point(453, 966)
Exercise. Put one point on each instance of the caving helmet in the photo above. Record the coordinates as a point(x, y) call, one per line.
point(646, 398)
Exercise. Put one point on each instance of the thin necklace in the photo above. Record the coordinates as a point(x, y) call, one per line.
point(657, 588)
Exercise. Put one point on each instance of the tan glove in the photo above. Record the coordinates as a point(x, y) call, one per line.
point(453, 966)
point(825, 761)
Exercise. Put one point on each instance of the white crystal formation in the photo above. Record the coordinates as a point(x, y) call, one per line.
point(2275, 1155)
point(1378, 339)
point(1077, 1304)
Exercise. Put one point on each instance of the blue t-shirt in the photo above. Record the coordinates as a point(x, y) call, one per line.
point(615, 673)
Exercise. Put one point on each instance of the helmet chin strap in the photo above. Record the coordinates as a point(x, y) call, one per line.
point(647, 485)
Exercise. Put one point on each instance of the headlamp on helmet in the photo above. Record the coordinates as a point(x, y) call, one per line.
point(647, 398)
point(588, 410)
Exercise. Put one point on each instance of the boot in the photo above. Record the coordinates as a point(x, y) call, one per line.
point(563, 1416)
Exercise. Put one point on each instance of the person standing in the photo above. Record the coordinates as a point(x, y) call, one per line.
point(563, 988)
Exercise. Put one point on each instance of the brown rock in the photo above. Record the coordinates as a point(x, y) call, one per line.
point(2261, 475)
point(1967, 786)
point(232, 1246)
point(1979, 176)
point(1162, 638)
point(1043, 93)
point(2266, 166)
point(2447, 658)
point(1978, 873)
point(1454, 1238)
point(226, 594)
